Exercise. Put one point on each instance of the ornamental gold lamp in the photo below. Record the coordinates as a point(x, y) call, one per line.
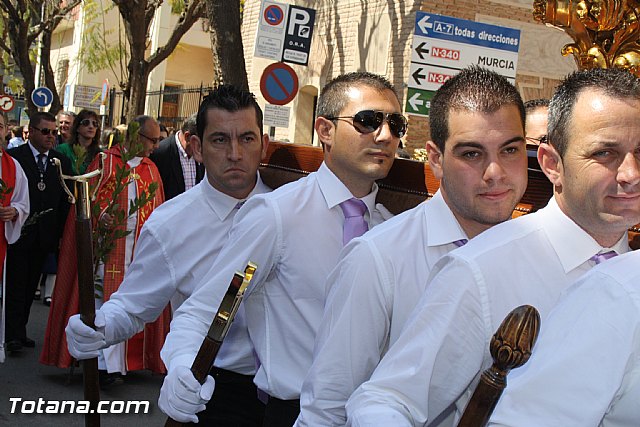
point(605, 32)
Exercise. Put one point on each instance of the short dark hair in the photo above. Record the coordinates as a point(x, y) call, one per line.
point(472, 89)
point(534, 104)
point(229, 98)
point(612, 82)
point(190, 124)
point(333, 97)
point(40, 116)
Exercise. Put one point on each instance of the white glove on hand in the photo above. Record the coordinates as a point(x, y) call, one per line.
point(82, 341)
point(182, 396)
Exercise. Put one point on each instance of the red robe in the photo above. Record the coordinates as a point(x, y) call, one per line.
point(143, 350)
point(9, 178)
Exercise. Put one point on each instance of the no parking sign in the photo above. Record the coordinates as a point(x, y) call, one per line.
point(279, 84)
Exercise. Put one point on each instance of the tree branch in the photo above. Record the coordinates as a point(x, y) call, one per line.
point(194, 12)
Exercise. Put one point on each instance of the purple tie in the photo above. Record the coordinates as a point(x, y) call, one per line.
point(354, 223)
point(598, 258)
point(239, 204)
point(460, 242)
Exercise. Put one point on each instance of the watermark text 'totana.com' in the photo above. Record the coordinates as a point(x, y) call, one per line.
point(42, 406)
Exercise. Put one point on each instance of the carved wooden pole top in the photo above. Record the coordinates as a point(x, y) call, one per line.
point(513, 342)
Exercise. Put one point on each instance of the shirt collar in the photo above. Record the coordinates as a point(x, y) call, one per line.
point(181, 150)
point(223, 204)
point(442, 224)
point(35, 152)
point(572, 244)
point(335, 192)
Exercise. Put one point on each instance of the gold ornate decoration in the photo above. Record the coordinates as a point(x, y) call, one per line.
point(606, 33)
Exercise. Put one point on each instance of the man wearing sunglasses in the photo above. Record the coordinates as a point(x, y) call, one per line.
point(592, 161)
point(294, 235)
point(479, 155)
point(49, 206)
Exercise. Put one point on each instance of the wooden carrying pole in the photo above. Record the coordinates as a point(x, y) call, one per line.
point(510, 347)
point(86, 298)
point(219, 328)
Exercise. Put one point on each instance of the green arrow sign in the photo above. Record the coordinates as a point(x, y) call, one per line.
point(418, 101)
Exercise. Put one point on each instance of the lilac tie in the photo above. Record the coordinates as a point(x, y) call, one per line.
point(460, 242)
point(239, 204)
point(598, 258)
point(354, 223)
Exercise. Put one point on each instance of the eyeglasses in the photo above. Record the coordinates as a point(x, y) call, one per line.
point(154, 140)
point(367, 121)
point(542, 140)
point(45, 131)
point(87, 122)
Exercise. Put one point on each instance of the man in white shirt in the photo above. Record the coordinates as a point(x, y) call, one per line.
point(592, 162)
point(585, 365)
point(478, 152)
point(294, 235)
point(179, 242)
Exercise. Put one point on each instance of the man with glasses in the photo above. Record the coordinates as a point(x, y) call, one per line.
point(142, 351)
point(294, 235)
point(49, 207)
point(478, 153)
point(592, 161)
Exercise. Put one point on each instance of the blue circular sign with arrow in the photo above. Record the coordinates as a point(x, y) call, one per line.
point(42, 96)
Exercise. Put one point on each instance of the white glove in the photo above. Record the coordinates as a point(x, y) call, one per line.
point(182, 396)
point(82, 341)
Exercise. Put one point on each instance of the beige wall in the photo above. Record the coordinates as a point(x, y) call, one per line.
point(190, 64)
point(376, 36)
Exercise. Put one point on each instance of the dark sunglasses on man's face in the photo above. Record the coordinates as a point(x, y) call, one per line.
point(367, 121)
point(87, 122)
point(45, 131)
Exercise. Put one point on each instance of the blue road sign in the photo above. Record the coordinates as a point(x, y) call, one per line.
point(279, 84)
point(42, 96)
point(469, 32)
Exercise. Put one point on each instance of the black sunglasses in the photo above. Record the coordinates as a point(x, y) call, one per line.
point(46, 131)
point(367, 121)
point(87, 122)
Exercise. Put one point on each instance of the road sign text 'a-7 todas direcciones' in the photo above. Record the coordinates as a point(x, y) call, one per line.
point(443, 45)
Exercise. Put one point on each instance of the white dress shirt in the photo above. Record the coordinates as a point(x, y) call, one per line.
point(176, 247)
point(585, 367)
point(294, 235)
point(375, 286)
point(445, 343)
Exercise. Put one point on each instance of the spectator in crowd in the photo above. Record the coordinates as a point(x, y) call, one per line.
point(65, 121)
point(84, 141)
point(536, 126)
point(175, 161)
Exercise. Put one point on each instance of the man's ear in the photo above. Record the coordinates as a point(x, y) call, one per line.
point(325, 130)
point(435, 157)
point(550, 163)
point(265, 145)
point(196, 146)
